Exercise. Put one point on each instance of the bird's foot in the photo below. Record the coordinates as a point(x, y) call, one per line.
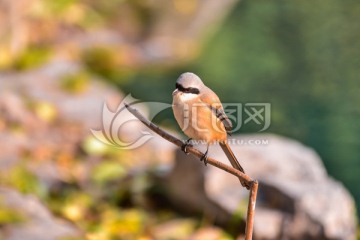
point(244, 184)
point(185, 145)
point(204, 158)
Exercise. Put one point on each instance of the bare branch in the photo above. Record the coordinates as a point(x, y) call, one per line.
point(253, 184)
point(251, 211)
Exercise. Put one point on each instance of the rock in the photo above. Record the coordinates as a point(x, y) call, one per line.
point(209, 233)
point(185, 186)
point(38, 224)
point(268, 223)
point(44, 84)
point(174, 229)
point(296, 197)
point(50, 122)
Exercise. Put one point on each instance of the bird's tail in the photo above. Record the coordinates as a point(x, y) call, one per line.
point(234, 162)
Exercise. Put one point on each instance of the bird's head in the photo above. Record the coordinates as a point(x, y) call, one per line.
point(188, 83)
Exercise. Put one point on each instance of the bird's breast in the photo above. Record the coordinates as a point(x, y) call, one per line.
point(196, 119)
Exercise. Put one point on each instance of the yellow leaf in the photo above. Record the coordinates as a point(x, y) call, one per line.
point(46, 111)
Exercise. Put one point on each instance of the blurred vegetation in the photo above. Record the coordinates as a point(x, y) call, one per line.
point(75, 83)
point(8, 215)
point(113, 204)
point(104, 62)
point(31, 58)
point(301, 56)
point(22, 179)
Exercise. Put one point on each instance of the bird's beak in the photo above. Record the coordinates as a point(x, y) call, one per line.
point(175, 92)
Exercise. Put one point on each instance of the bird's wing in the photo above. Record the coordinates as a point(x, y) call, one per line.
point(213, 102)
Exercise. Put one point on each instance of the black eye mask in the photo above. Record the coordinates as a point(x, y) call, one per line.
point(187, 90)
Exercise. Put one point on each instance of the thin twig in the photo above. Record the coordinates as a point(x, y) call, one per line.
point(211, 161)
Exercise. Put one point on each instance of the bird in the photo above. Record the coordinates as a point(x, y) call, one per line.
point(201, 116)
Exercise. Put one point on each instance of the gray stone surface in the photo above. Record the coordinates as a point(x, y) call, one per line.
point(38, 224)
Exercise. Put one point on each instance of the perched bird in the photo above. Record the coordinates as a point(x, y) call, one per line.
point(201, 116)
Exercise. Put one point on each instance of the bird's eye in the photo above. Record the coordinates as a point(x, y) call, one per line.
point(180, 87)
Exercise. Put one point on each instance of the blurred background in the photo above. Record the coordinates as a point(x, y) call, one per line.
point(60, 60)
